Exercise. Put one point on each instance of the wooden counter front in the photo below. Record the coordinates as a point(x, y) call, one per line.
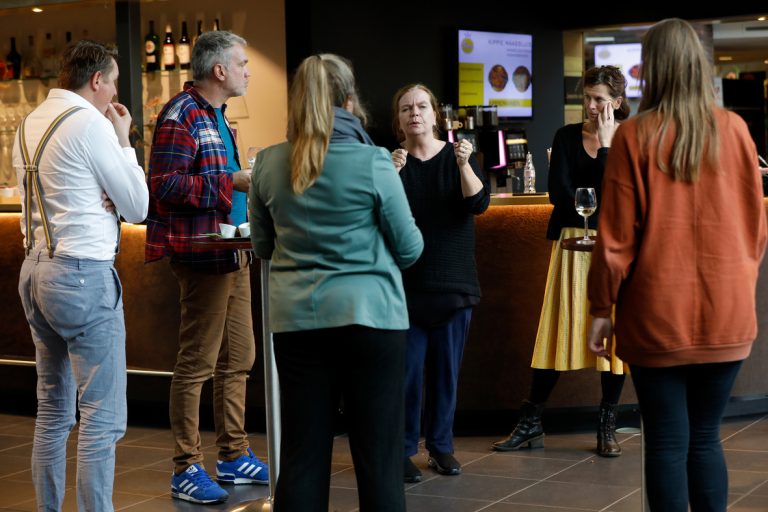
point(512, 257)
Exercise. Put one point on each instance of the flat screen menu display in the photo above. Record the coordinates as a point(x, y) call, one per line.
point(626, 57)
point(495, 68)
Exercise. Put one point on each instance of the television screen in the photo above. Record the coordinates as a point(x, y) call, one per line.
point(626, 57)
point(495, 68)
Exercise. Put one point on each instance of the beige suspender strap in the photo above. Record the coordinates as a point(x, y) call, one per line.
point(32, 179)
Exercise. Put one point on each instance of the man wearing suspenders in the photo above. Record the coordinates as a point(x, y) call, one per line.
point(78, 174)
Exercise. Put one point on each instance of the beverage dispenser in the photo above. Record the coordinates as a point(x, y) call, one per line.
point(491, 146)
point(517, 148)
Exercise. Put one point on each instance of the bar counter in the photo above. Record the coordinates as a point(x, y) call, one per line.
point(512, 257)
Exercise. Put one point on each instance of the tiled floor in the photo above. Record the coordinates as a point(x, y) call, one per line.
point(563, 477)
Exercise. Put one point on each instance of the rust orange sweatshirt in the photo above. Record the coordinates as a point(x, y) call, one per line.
point(680, 260)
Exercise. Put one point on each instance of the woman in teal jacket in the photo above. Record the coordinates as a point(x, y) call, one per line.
point(329, 210)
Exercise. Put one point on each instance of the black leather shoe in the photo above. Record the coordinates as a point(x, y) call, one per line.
point(528, 431)
point(444, 463)
point(411, 474)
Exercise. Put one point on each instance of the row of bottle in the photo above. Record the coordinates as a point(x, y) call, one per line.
point(32, 63)
point(167, 55)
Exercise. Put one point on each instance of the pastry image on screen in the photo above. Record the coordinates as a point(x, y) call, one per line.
point(521, 78)
point(498, 77)
point(634, 71)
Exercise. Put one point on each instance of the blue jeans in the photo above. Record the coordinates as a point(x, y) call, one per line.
point(433, 359)
point(75, 312)
point(682, 407)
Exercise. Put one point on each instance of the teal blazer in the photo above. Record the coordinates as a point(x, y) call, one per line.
point(336, 249)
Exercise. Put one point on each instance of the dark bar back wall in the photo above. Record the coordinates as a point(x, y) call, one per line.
point(403, 41)
point(406, 42)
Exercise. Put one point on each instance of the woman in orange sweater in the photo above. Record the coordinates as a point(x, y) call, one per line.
point(682, 234)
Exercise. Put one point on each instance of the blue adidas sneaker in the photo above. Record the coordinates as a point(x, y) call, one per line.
point(246, 469)
point(196, 486)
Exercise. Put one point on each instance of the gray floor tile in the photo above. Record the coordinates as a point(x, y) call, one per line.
point(516, 507)
point(421, 503)
point(746, 460)
point(13, 466)
point(518, 465)
point(621, 471)
point(566, 494)
point(469, 486)
point(146, 482)
point(745, 482)
point(631, 503)
point(13, 493)
point(762, 490)
point(748, 440)
point(749, 503)
point(140, 456)
point(343, 500)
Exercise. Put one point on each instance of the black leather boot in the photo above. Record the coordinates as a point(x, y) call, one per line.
point(528, 430)
point(607, 446)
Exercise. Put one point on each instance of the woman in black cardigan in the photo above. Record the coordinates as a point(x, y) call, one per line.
point(445, 189)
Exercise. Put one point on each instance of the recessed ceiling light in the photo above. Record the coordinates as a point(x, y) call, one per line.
point(725, 57)
point(37, 9)
point(762, 18)
point(599, 39)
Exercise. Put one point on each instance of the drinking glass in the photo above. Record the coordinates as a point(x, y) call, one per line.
point(251, 155)
point(586, 204)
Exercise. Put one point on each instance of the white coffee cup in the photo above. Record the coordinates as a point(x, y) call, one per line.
point(227, 230)
point(244, 229)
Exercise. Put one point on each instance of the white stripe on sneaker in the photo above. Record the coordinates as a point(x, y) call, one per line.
point(192, 490)
point(244, 464)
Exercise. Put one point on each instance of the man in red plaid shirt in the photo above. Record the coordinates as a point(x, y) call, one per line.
point(195, 183)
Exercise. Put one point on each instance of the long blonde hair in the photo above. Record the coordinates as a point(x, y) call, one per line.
point(321, 82)
point(678, 87)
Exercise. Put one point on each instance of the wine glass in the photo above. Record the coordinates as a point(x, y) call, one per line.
point(586, 204)
point(251, 155)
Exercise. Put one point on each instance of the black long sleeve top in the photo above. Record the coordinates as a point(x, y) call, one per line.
point(571, 167)
point(445, 276)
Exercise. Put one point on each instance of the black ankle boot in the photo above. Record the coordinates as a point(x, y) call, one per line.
point(607, 446)
point(528, 430)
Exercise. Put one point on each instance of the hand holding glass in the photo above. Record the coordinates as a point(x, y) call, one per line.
point(586, 204)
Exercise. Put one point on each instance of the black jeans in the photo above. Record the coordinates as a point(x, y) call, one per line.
point(366, 368)
point(682, 407)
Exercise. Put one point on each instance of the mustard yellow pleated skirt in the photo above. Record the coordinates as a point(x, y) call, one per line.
point(561, 340)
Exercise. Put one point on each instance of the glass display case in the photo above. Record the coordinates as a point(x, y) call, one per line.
point(17, 99)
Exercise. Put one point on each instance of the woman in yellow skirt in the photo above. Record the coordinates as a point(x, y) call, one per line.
point(578, 159)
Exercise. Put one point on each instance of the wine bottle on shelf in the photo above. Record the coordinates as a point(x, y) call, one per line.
point(183, 48)
point(50, 62)
point(199, 31)
point(13, 62)
point(151, 49)
point(216, 24)
point(169, 50)
point(31, 67)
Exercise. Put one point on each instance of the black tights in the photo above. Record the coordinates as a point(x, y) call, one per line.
point(544, 381)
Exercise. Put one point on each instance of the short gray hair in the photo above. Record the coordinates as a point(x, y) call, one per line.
point(213, 48)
